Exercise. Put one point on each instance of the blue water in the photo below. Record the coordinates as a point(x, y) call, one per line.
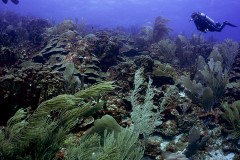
point(113, 13)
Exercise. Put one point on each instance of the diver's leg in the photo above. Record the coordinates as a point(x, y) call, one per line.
point(221, 27)
point(218, 27)
point(15, 1)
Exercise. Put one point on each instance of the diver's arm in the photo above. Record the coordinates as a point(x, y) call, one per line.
point(200, 28)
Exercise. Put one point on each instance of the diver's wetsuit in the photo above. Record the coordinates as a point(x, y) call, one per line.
point(14, 1)
point(204, 23)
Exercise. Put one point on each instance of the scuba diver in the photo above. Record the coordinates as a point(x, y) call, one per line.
point(204, 23)
point(13, 1)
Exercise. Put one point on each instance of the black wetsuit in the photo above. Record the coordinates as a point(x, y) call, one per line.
point(204, 23)
point(14, 1)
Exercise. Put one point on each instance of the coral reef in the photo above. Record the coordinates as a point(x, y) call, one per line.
point(27, 86)
point(7, 56)
point(53, 86)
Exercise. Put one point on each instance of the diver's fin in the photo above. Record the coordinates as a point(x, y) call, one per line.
point(5, 1)
point(15, 1)
point(227, 23)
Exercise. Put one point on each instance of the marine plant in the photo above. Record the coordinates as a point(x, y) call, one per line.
point(39, 135)
point(72, 82)
point(29, 84)
point(216, 55)
point(65, 26)
point(81, 26)
point(20, 31)
point(160, 29)
point(184, 52)
point(197, 39)
point(36, 29)
point(166, 49)
point(145, 116)
point(165, 70)
point(107, 140)
point(195, 141)
point(211, 86)
point(172, 156)
point(229, 50)
point(232, 115)
point(216, 78)
point(144, 37)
